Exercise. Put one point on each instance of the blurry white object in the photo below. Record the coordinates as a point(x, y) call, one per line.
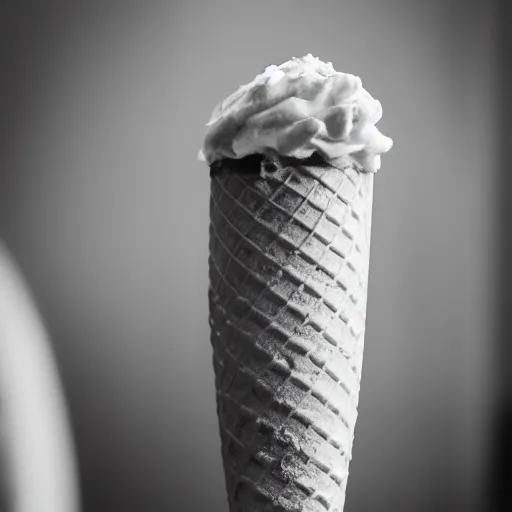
point(38, 457)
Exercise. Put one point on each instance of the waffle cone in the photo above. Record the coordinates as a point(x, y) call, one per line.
point(289, 255)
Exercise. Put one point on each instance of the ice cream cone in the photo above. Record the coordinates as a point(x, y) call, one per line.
point(292, 157)
point(289, 257)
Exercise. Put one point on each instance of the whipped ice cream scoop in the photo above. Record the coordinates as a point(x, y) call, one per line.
point(298, 108)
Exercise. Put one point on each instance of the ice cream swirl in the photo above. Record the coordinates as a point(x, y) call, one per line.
point(297, 108)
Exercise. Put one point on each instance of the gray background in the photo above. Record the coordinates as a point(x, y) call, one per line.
point(105, 208)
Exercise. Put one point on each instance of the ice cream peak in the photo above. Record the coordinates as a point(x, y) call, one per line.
point(297, 108)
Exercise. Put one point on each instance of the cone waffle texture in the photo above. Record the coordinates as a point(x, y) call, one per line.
point(289, 255)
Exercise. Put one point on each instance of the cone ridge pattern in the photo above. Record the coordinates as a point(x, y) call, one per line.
point(289, 255)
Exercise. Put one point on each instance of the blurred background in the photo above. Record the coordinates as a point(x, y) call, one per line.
point(105, 209)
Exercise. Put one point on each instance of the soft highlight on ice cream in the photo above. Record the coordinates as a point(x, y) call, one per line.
point(297, 108)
